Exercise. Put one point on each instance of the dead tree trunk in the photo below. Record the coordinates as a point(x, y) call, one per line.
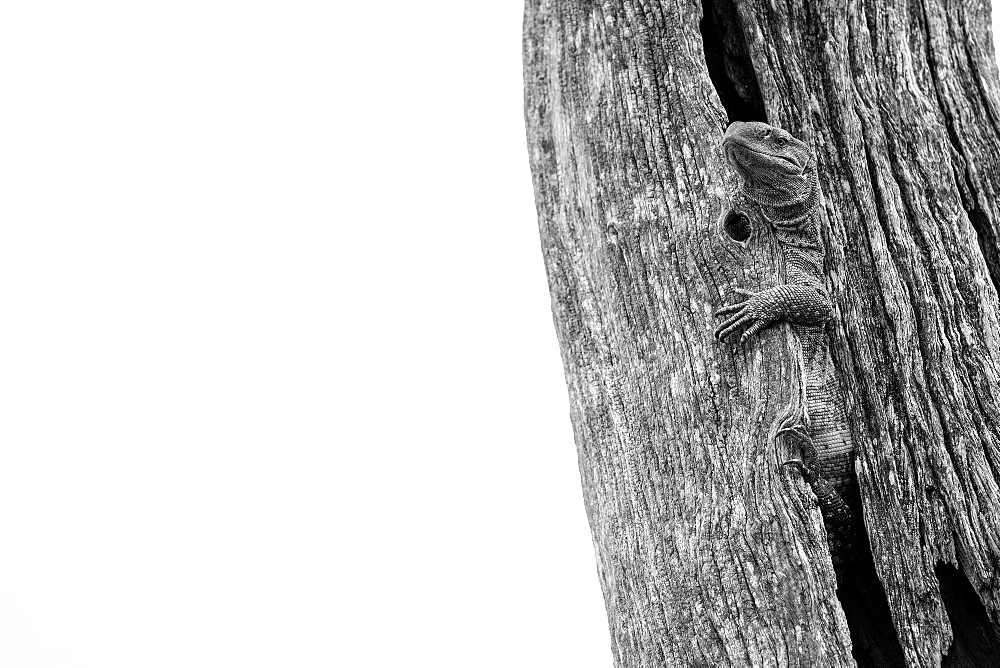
point(707, 555)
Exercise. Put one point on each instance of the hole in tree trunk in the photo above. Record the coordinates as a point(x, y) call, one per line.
point(866, 608)
point(737, 226)
point(977, 640)
point(729, 66)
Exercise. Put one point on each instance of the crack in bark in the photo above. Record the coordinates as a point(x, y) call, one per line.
point(977, 641)
point(729, 65)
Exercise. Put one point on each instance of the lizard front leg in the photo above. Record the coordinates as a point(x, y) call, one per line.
point(800, 304)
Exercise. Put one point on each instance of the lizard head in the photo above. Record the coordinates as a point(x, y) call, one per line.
point(773, 165)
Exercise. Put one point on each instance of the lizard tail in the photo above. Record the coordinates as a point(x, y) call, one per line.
point(841, 528)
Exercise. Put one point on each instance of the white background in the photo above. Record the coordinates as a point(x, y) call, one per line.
point(279, 384)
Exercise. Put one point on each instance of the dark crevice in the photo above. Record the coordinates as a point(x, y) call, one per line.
point(862, 597)
point(729, 65)
point(987, 243)
point(976, 639)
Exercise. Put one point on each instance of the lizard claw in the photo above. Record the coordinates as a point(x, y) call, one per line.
point(750, 313)
point(797, 430)
point(792, 424)
point(800, 435)
point(797, 463)
point(805, 471)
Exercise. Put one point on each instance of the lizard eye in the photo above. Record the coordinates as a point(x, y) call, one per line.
point(780, 142)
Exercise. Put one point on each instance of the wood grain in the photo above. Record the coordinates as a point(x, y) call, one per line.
point(706, 554)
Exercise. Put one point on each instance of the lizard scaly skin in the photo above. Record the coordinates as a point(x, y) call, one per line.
point(779, 181)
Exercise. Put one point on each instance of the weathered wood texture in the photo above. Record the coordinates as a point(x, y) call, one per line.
point(706, 554)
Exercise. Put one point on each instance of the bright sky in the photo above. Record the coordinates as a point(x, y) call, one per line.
point(278, 379)
point(279, 384)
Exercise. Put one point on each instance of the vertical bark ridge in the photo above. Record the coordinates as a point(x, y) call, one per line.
point(705, 553)
point(928, 455)
point(855, 126)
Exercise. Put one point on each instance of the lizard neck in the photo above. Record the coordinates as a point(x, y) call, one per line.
point(787, 209)
point(792, 215)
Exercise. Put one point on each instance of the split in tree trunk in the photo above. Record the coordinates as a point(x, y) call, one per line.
point(706, 554)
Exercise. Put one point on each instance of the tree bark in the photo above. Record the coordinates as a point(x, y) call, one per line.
point(706, 553)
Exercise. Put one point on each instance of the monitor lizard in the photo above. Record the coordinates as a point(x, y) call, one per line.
point(779, 185)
